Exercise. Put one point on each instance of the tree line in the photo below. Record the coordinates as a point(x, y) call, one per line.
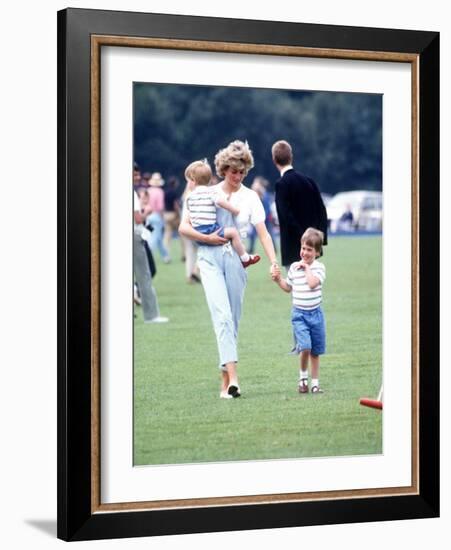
point(336, 136)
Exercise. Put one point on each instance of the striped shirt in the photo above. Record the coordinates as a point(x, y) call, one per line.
point(303, 296)
point(201, 204)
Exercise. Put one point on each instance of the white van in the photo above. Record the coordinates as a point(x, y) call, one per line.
point(355, 210)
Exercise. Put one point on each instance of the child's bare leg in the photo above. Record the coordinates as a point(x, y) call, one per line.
point(232, 234)
point(304, 357)
point(314, 361)
point(246, 259)
point(303, 372)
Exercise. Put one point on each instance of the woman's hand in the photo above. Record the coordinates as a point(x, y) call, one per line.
point(215, 239)
point(187, 230)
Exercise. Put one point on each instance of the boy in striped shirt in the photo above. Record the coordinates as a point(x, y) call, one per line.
point(201, 204)
point(304, 281)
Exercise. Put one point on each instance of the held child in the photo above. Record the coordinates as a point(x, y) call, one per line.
point(304, 281)
point(202, 203)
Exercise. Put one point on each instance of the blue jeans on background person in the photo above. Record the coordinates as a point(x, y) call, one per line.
point(156, 237)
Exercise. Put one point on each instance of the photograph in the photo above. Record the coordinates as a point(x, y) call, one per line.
point(229, 324)
point(257, 260)
point(245, 242)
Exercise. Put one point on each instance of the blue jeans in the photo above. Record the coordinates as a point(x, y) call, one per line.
point(309, 329)
point(156, 237)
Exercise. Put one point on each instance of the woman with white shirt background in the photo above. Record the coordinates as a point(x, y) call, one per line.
point(223, 276)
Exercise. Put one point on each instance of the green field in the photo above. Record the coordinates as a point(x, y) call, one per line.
point(178, 416)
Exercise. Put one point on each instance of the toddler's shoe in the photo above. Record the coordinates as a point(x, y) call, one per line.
point(253, 259)
point(316, 389)
point(234, 390)
point(303, 386)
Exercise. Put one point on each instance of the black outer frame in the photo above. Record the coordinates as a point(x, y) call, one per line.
point(75, 520)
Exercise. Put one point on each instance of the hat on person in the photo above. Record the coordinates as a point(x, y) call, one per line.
point(156, 180)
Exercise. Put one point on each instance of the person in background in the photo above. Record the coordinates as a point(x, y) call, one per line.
point(260, 186)
point(148, 296)
point(171, 214)
point(154, 207)
point(140, 186)
point(346, 221)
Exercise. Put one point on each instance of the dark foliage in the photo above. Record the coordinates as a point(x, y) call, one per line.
point(336, 136)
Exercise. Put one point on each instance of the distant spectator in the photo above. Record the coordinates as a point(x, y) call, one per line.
point(140, 188)
point(299, 203)
point(138, 183)
point(171, 214)
point(154, 209)
point(145, 180)
point(148, 296)
point(260, 186)
point(346, 221)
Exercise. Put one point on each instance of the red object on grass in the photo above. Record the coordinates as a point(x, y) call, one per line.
point(373, 403)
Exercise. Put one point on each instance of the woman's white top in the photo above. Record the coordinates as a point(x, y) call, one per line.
point(250, 206)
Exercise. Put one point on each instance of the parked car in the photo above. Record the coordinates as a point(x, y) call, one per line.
point(326, 198)
point(355, 210)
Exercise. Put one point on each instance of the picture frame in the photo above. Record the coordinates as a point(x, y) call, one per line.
point(81, 36)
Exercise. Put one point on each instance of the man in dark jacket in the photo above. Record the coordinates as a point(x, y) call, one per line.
point(299, 204)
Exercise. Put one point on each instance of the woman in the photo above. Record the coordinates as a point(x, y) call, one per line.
point(223, 276)
point(154, 208)
point(171, 214)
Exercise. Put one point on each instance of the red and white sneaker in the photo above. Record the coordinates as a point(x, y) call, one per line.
point(253, 259)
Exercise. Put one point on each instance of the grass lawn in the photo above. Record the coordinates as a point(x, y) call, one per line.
point(178, 416)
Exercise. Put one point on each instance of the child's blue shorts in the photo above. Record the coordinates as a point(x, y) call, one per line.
point(309, 330)
point(208, 230)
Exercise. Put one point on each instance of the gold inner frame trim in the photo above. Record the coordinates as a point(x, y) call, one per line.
point(97, 41)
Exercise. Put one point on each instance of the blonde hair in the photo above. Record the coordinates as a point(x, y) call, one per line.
point(236, 155)
point(199, 171)
point(314, 238)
